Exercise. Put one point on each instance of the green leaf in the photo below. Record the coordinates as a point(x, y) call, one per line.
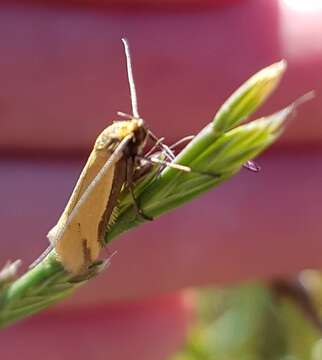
point(244, 101)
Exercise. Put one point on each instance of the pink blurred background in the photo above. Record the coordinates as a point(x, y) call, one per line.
point(63, 78)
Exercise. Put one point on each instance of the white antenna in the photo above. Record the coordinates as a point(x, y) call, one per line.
point(134, 99)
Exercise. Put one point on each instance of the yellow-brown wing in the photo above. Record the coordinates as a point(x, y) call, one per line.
point(79, 244)
point(79, 233)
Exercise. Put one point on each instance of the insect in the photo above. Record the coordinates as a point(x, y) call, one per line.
point(79, 234)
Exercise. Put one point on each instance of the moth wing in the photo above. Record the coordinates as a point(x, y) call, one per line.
point(76, 236)
point(77, 243)
point(53, 232)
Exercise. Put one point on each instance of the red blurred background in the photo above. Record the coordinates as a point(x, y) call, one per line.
point(63, 78)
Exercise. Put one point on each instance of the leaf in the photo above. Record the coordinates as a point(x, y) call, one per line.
point(245, 100)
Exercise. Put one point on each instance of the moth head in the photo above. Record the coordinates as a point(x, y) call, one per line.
point(140, 135)
point(115, 133)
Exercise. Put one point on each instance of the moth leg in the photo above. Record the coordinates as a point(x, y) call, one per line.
point(183, 140)
point(129, 181)
point(137, 208)
point(179, 167)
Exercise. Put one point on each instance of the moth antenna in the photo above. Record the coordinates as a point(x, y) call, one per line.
point(134, 99)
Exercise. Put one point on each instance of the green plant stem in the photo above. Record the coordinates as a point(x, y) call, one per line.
point(215, 155)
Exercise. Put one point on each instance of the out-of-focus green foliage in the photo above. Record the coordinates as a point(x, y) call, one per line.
point(250, 322)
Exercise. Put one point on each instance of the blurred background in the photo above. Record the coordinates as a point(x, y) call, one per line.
point(63, 79)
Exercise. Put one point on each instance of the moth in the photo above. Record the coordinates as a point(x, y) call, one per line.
point(79, 234)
